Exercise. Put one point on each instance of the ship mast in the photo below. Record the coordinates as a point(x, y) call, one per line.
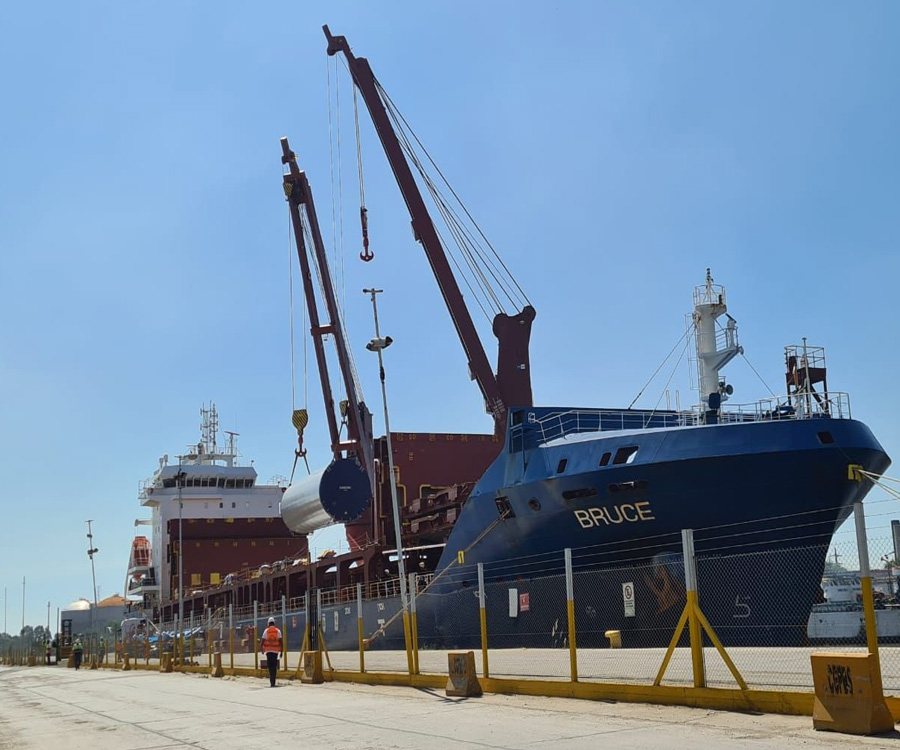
point(511, 386)
point(714, 351)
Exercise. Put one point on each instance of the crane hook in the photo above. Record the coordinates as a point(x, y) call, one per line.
point(366, 255)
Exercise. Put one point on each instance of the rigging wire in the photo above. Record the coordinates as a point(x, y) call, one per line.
point(291, 305)
point(750, 364)
point(387, 99)
point(299, 451)
point(486, 296)
point(671, 375)
point(343, 285)
point(479, 263)
point(661, 365)
point(467, 248)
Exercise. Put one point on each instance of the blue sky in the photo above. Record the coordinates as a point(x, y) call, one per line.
point(611, 151)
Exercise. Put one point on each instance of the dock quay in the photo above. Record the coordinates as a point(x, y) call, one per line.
point(46, 707)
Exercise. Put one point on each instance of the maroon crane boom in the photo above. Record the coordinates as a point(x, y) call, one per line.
point(359, 439)
point(511, 386)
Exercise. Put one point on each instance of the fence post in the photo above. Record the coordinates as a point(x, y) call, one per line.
point(255, 639)
point(865, 575)
point(482, 615)
point(690, 583)
point(320, 619)
point(191, 638)
point(284, 652)
point(570, 613)
point(359, 618)
point(414, 623)
point(231, 636)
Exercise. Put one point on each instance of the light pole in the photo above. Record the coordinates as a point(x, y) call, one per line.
point(378, 344)
point(23, 606)
point(179, 479)
point(92, 550)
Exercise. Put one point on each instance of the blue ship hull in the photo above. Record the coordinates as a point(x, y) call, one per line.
point(749, 490)
point(763, 499)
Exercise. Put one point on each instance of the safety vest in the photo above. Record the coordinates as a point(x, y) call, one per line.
point(271, 640)
point(77, 646)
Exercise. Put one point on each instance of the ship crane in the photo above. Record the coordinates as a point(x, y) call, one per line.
point(344, 489)
point(511, 385)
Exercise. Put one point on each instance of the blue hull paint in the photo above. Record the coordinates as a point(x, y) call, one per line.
point(747, 490)
point(763, 499)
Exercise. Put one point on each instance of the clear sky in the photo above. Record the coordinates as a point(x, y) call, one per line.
point(612, 151)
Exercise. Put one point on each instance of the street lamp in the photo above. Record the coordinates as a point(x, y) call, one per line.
point(378, 345)
point(179, 479)
point(92, 550)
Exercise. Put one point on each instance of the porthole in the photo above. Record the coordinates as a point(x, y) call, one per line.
point(534, 504)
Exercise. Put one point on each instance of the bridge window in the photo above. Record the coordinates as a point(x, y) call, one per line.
point(625, 455)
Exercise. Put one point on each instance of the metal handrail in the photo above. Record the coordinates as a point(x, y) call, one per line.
point(834, 404)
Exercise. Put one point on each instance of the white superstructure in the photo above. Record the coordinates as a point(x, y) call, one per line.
point(714, 349)
point(210, 484)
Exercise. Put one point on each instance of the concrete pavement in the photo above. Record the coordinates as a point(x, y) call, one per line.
point(47, 707)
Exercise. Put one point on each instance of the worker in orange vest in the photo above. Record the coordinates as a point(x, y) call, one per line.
point(271, 645)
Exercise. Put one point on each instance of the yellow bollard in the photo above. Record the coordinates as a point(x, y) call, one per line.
point(462, 682)
point(848, 694)
point(615, 638)
point(216, 670)
point(312, 668)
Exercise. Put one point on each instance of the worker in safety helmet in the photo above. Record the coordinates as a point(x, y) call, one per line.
point(271, 645)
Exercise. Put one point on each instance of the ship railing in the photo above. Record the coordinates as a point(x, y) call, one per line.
point(831, 405)
point(557, 424)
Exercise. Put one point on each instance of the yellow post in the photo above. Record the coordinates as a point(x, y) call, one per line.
point(696, 635)
point(482, 618)
point(231, 637)
point(191, 647)
point(570, 613)
point(284, 631)
point(360, 628)
point(865, 575)
point(255, 643)
point(692, 607)
point(406, 636)
point(414, 623)
point(209, 648)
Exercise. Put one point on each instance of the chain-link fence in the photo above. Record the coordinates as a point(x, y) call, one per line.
point(723, 608)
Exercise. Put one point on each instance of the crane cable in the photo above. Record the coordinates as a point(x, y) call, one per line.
point(366, 254)
point(299, 417)
point(337, 203)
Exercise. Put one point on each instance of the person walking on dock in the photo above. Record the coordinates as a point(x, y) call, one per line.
point(77, 652)
point(271, 646)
